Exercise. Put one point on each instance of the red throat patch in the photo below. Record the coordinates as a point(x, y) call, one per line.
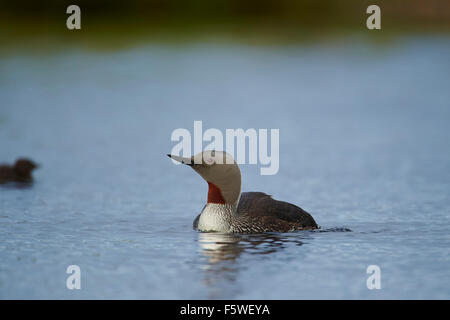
point(214, 194)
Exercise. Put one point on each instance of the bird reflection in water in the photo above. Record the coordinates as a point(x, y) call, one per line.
point(222, 252)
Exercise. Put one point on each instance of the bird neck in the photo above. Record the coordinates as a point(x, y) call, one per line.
point(215, 194)
point(219, 214)
point(219, 196)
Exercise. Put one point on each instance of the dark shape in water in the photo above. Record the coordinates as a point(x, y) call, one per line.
point(19, 172)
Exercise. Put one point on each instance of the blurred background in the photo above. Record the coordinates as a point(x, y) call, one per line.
point(127, 23)
point(364, 146)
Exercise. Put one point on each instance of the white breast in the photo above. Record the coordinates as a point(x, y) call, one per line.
point(216, 217)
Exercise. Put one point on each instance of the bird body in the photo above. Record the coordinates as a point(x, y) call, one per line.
point(19, 172)
point(256, 212)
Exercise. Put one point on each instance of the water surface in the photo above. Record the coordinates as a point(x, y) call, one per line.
point(364, 145)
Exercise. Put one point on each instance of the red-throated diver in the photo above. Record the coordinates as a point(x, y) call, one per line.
point(19, 172)
point(230, 211)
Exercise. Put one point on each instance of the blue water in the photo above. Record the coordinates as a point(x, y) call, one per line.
point(364, 145)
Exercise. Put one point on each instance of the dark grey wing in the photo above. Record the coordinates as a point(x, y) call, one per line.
point(195, 224)
point(259, 204)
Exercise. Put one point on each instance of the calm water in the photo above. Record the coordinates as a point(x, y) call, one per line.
point(364, 145)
